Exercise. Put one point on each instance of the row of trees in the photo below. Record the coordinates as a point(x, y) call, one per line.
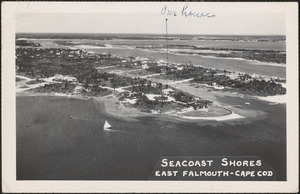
point(258, 55)
point(96, 91)
point(64, 87)
point(183, 97)
point(244, 84)
point(26, 43)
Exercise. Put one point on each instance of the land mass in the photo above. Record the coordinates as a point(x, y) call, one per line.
point(154, 106)
point(136, 83)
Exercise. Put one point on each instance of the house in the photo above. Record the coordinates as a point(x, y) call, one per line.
point(161, 98)
point(58, 77)
point(161, 63)
point(199, 104)
point(65, 78)
point(168, 91)
point(179, 68)
point(126, 94)
point(153, 84)
point(141, 59)
point(145, 66)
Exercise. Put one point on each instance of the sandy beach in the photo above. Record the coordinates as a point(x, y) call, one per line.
point(117, 109)
point(112, 106)
point(240, 109)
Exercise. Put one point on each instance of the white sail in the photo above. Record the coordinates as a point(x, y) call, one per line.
point(106, 126)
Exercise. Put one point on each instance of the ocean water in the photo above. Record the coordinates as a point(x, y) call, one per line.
point(214, 41)
point(51, 146)
point(276, 43)
point(219, 63)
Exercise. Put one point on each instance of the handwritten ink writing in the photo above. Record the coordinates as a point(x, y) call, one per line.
point(185, 12)
point(169, 12)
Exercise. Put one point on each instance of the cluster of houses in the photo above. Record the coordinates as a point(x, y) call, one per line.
point(172, 66)
point(100, 60)
point(103, 59)
point(79, 54)
point(167, 96)
point(138, 63)
point(59, 53)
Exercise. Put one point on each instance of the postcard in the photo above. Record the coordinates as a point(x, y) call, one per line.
point(163, 97)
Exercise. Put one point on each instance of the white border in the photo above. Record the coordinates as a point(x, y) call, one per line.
point(9, 183)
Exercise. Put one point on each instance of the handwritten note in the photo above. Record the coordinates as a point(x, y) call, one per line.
point(185, 11)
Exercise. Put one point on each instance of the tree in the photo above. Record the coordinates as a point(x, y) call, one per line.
point(159, 86)
point(149, 83)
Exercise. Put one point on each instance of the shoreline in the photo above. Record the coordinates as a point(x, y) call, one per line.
point(279, 99)
point(117, 109)
point(231, 116)
point(252, 62)
point(233, 66)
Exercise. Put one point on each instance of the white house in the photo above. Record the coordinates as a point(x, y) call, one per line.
point(179, 68)
point(168, 91)
point(145, 66)
point(67, 78)
point(161, 63)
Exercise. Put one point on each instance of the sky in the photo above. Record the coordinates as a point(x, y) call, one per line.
point(153, 22)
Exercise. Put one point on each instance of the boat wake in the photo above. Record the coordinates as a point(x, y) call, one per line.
point(115, 130)
point(79, 118)
point(108, 128)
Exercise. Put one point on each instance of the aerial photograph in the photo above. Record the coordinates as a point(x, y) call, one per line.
point(103, 96)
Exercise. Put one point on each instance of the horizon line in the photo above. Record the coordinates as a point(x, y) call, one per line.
point(150, 34)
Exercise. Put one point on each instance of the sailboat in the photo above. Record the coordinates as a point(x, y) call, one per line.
point(107, 126)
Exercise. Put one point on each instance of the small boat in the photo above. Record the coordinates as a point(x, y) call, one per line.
point(107, 126)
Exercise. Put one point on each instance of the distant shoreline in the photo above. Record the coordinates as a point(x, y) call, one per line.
point(120, 108)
